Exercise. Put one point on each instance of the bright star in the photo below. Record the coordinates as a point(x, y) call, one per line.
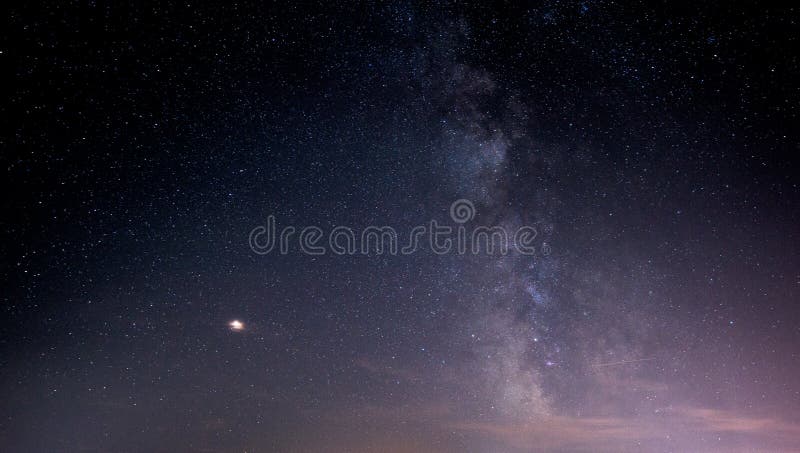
point(236, 325)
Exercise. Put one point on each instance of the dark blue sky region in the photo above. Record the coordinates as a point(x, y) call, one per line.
point(651, 149)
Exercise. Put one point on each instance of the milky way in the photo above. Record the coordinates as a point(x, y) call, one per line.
point(649, 152)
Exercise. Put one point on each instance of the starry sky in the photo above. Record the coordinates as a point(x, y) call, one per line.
point(653, 146)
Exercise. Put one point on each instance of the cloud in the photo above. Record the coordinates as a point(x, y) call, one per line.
point(555, 432)
point(715, 420)
point(693, 428)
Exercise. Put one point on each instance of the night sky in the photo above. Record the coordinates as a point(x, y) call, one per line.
point(652, 148)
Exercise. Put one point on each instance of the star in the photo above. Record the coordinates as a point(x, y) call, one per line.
point(236, 325)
